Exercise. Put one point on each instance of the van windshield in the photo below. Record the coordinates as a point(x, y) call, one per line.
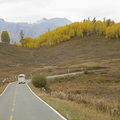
point(21, 76)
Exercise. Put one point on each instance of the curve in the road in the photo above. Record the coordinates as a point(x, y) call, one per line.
point(19, 102)
point(47, 104)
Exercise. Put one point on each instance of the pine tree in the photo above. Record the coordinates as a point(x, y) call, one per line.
point(21, 36)
point(94, 20)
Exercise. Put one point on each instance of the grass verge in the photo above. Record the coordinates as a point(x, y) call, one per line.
point(2, 88)
point(72, 110)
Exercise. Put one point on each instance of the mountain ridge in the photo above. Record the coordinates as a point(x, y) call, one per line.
point(31, 29)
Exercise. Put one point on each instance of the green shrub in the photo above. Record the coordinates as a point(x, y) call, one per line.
point(39, 81)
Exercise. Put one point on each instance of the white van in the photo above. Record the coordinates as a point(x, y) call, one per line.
point(21, 78)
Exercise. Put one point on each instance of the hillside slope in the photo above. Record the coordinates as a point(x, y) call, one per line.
point(73, 54)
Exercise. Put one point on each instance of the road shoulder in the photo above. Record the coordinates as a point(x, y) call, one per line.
point(3, 89)
point(42, 100)
point(69, 109)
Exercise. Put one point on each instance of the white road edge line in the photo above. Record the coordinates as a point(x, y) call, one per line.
point(46, 104)
point(5, 89)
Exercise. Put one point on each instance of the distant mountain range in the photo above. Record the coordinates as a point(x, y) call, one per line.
point(31, 29)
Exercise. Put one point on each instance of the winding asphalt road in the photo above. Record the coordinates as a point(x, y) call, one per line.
point(19, 103)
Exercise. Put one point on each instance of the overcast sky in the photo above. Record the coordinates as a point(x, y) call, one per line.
point(75, 10)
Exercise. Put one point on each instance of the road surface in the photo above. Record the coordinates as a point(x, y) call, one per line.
point(67, 74)
point(19, 103)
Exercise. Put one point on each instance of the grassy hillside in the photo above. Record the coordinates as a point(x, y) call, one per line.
point(73, 55)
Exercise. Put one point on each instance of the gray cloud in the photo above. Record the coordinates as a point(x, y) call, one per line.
point(32, 10)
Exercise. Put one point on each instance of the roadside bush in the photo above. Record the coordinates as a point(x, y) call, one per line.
point(39, 81)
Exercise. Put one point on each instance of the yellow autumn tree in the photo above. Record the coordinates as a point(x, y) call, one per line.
point(99, 28)
point(106, 28)
point(30, 43)
point(17, 44)
point(113, 32)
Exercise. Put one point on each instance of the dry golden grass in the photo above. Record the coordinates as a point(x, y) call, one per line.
point(74, 55)
point(2, 88)
point(102, 93)
point(72, 110)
